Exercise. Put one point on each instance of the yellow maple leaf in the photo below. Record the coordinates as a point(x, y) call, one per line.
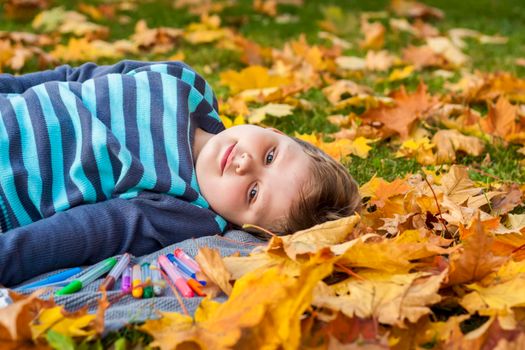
point(263, 310)
point(495, 299)
point(253, 77)
point(212, 266)
point(228, 122)
point(392, 299)
point(400, 74)
point(420, 149)
point(84, 50)
point(313, 239)
point(69, 325)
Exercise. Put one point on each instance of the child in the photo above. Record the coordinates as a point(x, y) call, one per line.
point(100, 160)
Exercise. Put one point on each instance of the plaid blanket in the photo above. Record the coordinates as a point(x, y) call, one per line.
point(131, 310)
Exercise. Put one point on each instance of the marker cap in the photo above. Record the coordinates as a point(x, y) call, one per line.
point(72, 287)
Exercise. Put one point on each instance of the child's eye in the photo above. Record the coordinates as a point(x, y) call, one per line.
point(252, 193)
point(269, 156)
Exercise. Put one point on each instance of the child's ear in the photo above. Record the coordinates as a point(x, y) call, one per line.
point(276, 130)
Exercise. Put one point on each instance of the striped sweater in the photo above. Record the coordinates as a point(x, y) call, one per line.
point(96, 161)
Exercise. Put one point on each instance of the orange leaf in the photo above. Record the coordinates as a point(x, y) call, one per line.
point(409, 108)
point(476, 260)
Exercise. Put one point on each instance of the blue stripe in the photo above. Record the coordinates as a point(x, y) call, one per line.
point(159, 153)
point(118, 125)
point(29, 151)
point(221, 222)
point(43, 146)
point(188, 76)
point(170, 128)
point(5, 221)
point(59, 196)
point(98, 139)
point(194, 99)
point(7, 178)
point(67, 134)
point(76, 172)
point(149, 177)
point(208, 94)
point(159, 68)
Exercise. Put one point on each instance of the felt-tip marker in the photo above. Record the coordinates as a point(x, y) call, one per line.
point(186, 259)
point(115, 273)
point(175, 276)
point(146, 280)
point(54, 279)
point(125, 284)
point(156, 278)
point(183, 267)
point(136, 282)
point(85, 279)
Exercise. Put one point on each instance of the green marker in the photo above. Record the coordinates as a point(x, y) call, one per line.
point(85, 279)
point(146, 279)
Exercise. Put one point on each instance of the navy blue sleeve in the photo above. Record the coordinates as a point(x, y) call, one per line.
point(90, 233)
point(18, 84)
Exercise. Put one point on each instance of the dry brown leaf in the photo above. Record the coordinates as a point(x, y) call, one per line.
point(501, 119)
point(415, 9)
point(422, 56)
point(475, 260)
point(391, 300)
point(457, 185)
point(16, 318)
point(313, 239)
point(374, 35)
point(400, 119)
point(510, 199)
point(448, 142)
point(213, 267)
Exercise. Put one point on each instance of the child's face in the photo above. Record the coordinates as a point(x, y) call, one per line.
point(251, 175)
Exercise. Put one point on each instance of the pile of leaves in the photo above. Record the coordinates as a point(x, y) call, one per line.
point(434, 259)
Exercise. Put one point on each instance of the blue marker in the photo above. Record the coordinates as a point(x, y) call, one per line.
point(53, 280)
point(183, 267)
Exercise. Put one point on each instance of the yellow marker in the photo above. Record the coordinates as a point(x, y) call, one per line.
point(137, 281)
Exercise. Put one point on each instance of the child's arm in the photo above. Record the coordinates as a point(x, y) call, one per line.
point(90, 233)
point(18, 84)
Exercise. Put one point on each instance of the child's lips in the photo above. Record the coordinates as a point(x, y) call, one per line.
point(226, 158)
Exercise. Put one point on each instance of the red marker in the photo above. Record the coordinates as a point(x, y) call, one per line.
point(175, 276)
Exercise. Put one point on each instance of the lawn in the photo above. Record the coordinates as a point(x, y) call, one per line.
point(329, 42)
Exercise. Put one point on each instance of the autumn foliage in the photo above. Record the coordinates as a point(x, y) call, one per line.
point(434, 259)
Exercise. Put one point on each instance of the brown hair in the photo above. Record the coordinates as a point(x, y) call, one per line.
point(331, 193)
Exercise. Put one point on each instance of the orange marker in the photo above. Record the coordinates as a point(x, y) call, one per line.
point(137, 281)
point(196, 286)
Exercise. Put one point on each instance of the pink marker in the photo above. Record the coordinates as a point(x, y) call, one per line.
point(186, 259)
point(175, 276)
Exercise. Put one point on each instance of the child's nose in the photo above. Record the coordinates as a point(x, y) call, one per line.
point(244, 163)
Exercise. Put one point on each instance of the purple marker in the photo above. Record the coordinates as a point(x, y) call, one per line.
point(125, 284)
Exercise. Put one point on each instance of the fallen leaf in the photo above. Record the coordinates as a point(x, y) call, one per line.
point(392, 301)
point(501, 119)
point(213, 267)
point(313, 239)
point(475, 260)
point(449, 142)
point(457, 185)
point(253, 77)
point(400, 119)
point(274, 109)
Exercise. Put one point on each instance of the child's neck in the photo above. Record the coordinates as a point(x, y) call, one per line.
point(199, 140)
